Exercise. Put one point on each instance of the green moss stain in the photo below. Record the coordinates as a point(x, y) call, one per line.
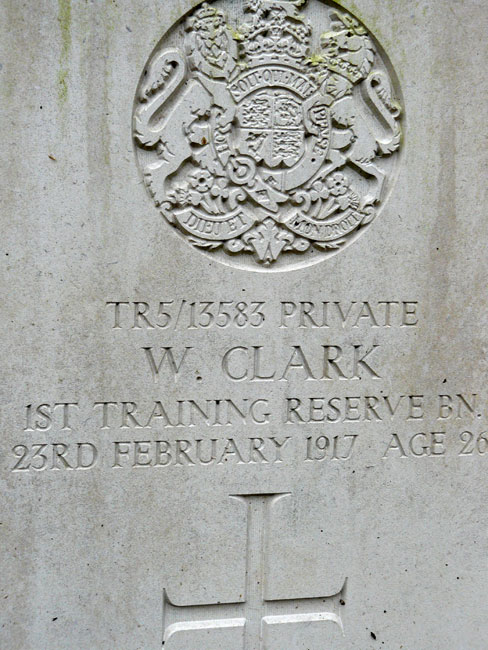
point(63, 85)
point(236, 34)
point(316, 59)
point(64, 18)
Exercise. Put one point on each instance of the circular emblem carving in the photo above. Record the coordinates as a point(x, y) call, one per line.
point(267, 135)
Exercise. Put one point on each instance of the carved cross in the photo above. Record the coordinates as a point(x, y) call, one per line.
point(250, 622)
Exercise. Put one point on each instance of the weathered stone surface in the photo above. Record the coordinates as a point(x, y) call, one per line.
point(243, 399)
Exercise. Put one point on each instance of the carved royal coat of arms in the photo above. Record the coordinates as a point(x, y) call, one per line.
point(273, 138)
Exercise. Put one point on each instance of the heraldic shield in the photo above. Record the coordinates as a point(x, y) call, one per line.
point(272, 127)
point(254, 146)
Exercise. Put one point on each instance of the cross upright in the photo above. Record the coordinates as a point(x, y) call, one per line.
point(246, 624)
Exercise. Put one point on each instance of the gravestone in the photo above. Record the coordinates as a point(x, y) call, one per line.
point(244, 396)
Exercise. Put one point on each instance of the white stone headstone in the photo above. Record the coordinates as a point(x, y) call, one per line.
point(245, 332)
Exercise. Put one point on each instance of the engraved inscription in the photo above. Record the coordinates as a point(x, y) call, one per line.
point(180, 315)
point(189, 434)
point(250, 623)
point(270, 137)
point(340, 409)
